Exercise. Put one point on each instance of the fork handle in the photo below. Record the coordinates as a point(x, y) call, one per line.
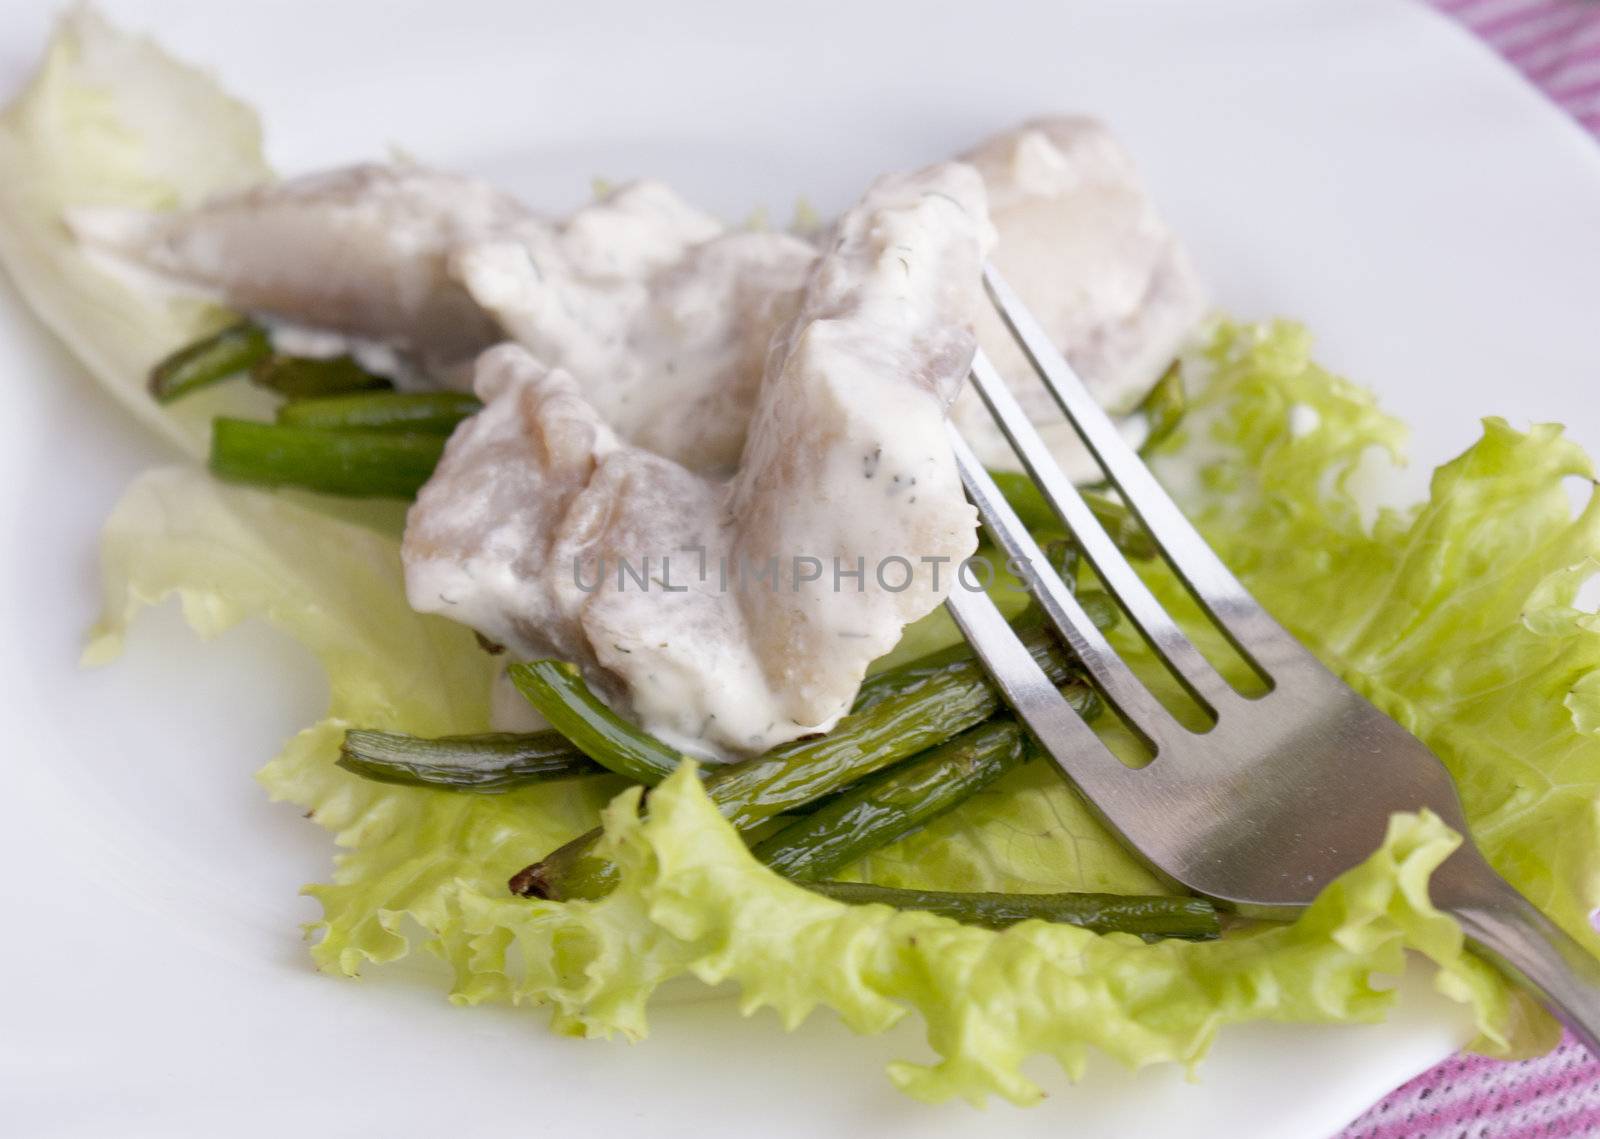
point(1513, 935)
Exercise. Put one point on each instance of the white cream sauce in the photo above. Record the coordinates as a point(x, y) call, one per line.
point(664, 316)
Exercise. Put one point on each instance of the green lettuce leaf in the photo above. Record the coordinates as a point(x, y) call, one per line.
point(693, 901)
point(1457, 616)
point(109, 120)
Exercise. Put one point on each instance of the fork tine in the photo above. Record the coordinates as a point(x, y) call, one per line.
point(1259, 638)
point(1069, 741)
point(1135, 703)
point(1162, 633)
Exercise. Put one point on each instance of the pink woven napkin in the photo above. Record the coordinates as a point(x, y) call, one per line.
point(1556, 44)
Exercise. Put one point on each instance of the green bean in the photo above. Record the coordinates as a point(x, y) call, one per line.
point(1030, 505)
point(950, 696)
point(1121, 524)
point(951, 699)
point(299, 377)
point(1163, 408)
point(556, 689)
point(886, 807)
point(490, 763)
point(357, 463)
point(426, 413)
point(1035, 513)
point(1065, 556)
point(235, 349)
point(875, 689)
point(570, 872)
point(1148, 916)
point(903, 678)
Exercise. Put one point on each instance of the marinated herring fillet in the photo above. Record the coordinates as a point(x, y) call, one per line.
point(362, 251)
point(662, 314)
point(536, 499)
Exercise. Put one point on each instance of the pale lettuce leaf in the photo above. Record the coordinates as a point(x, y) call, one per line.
point(110, 120)
point(231, 552)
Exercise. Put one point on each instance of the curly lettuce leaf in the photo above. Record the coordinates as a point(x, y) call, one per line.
point(111, 120)
point(694, 901)
point(1457, 616)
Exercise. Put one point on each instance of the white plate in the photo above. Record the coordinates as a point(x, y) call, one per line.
point(1360, 164)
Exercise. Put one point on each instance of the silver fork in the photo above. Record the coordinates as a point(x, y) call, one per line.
point(1286, 790)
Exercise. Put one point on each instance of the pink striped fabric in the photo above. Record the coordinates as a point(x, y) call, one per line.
point(1556, 44)
point(1556, 1097)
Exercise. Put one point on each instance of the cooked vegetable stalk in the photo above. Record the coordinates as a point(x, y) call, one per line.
point(570, 872)
point(1152, 918)
point(557, 690)
point(1163, 408)
point(889, 806)
point(951, 700)
point(235, 349)
point(875, 689)
point(427, 413)
point(498, 761)
point(879, 687)
point(1120, 524)
point(953, 694)
point(355, 463)
point(301, 376)
point(1032, 509)
point(1035, 513)
point(1065, 556)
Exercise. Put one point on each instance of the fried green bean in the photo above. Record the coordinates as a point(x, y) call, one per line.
point(425, 413)
point(880, 686)
point(951, 699)
point(951, 695)
point(301, 377)
point(556, 689)
point(1147, 916)
point(1035, 513)
point(1024, 498)
point(876, 688)
point(1163, 408)
point(877, 811)
point(488, 764)
point(234, 349)
point(1120, 523)
point(379, 464)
